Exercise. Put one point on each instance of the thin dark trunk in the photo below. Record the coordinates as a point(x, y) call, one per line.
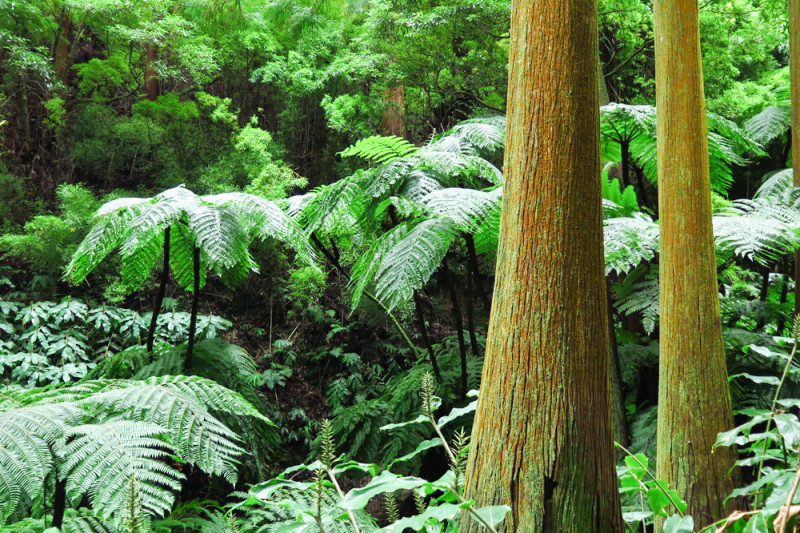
point(162, 289)
point(195, 298)
point(764, 284)
point(626, 162)
point(784, 294)
point(472, 256)
point(59, 501)
point(473, 339)
point(424, 332)
point(620, 425)
point(459, 326)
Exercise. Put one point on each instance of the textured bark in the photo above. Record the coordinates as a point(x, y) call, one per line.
point(151, 88)
point(542, 440)
point(794, 54)
point(393, 121)
point(61, 52)
point(693, 397)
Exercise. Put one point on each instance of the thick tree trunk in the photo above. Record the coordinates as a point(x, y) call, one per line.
point(693, 397)
point(393, 121)
point(794, 54)
point(542, 438)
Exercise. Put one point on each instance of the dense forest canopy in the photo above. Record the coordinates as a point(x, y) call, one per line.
point(248, 251)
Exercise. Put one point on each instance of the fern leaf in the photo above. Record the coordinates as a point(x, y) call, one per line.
point(769, 124)
point(103, 458)
point(467, 208)
point(380, 149)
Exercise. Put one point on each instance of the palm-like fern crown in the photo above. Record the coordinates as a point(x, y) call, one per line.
point(105, 436)
point(773, 121)
point(636, 126)
point(222, 226)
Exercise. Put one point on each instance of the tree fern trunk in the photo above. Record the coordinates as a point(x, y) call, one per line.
point(162, 289)
point(59, 501)
point(195, 300)
point(542, 438)
point(472, 257)
point(473, 339)
point(462, 347)
point(424, 332)
point(794, 55)
point(694, 401)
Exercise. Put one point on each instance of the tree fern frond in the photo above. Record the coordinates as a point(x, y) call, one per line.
point(408, 265)
point(484, 137)
point(776, 183)
point(103, 458)
point(181, 257)
point(138, 264)
point(761, 229)
point(467, 208)
point(219, 235)
point(119, 204)
point(629, 241)
point(380, 149)
point(101, 240)
point(769, 124)
point(337, 206)
point(488, 235)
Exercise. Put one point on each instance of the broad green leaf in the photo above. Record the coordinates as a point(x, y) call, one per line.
point(757, 524)
point(493, 514)
point(424, 445)
point(445, 511)
point(458, 412)
point(678, 524)
point(385, 482)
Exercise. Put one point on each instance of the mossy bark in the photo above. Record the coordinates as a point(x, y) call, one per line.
point(693, 399)
point(542, 437)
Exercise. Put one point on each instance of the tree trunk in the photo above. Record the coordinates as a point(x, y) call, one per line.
point(620, 424)
point(542, 440)
point(794, 55)
point(393, 121)
point(195, 301)
point(459, 323)
point(151, 88)
point(423, 330)
point(693, 397)
point(61, 50)
point(162, 288)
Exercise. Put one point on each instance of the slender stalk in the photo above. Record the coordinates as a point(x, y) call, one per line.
point(162, 289)
point(195, 299)
point(59, 502)
point(772, 410)
point(350, 514)
point(783, 515)
point(658, 483)
point(473, 339)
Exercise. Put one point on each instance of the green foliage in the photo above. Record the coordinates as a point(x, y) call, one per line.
point(54, 342)
point(106, 438)
point(222, 226)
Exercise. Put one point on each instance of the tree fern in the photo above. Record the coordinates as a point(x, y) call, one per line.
point(467, 208)
point(380, 149)
point(99, 435)
point(763, 229)
point(629, 241)
point(109, 460)
point(769, 124)
point(403, 260)
point(776, 183)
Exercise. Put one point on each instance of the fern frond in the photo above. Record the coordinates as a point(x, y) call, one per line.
point(769, 124)
point(629, 241)
point(467, 208)
point(181, 257)
point(380, 149)
point(776, 183)
point(103, 458)
point(761, 229)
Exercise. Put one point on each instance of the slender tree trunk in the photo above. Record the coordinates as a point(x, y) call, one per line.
point(620, 424)
point(59, 501)
point(195, 300)
point(784, 293)
point(472, 258)
point(693, 397)
point(459, 322)
point(546, 367)
point(61, 50)
point(151, 88)
point(794, 54)
point(473, 338)
point(162, 289)
point(424, 332)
